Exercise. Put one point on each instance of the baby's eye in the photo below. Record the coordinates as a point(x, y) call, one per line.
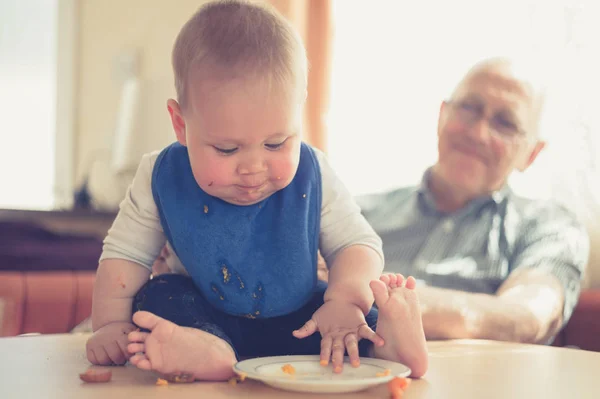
point(275, 146)
point(225, 151)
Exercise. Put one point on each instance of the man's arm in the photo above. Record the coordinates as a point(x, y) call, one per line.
point(527, 308)
point(538, 296)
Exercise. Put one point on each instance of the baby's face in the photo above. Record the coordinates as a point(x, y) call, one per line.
point(243, 140)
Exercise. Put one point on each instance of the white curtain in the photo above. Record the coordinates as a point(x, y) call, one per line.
point(395, 61)
point(28, 31)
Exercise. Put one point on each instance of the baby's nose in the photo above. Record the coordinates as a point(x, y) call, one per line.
point(252, 167)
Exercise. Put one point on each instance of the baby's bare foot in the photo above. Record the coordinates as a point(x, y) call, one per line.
point(400, 323)
point(179, 351)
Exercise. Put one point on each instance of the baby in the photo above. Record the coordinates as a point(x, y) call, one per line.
point(245, 206)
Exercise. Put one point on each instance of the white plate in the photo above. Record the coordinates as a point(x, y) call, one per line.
point(310, 376)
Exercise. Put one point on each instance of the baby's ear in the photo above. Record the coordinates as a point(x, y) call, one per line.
point(177, 120)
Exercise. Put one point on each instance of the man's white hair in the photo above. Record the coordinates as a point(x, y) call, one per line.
point(533, 71)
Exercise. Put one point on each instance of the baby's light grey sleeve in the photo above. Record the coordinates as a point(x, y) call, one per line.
point(342, 223)
point(136, 234)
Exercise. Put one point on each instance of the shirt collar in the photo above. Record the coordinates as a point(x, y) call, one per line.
point(427, 201)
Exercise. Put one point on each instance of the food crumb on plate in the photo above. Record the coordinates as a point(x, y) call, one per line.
point(288, 369)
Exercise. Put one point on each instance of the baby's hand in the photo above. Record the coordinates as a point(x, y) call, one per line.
point(108, 345)
point(341, 324)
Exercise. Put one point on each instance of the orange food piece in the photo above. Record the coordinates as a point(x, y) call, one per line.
point(323, 362)
point(288, 369)
point(384, 373)
point(161, 382)
point(398, 395)
point(241, 377)
point(397, 386)
point(96, 375)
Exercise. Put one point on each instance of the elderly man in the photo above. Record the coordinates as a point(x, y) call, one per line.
point(491, 265)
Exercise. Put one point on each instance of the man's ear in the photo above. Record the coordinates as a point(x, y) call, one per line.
point(539, 146)
point(441, 115)
point(177, 120)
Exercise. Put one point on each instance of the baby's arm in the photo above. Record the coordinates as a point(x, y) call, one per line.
point(117, 282)
point(350, 273)
point(349, 245)
point(354, 253)
point(133, 242)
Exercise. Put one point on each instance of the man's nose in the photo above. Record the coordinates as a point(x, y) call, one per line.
point(480, 129)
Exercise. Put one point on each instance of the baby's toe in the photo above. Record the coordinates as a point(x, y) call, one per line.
point(135, 348)
point(385, 278)
point(411, 283)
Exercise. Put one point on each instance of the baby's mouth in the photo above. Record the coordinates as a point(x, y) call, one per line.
point(251, 189)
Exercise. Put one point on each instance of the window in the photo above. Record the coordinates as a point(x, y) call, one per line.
point(35, 84)
point(394, 63)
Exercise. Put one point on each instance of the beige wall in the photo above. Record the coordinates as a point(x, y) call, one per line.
point(107, 28)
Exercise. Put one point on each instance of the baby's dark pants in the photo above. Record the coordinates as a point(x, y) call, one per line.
point(175, 298)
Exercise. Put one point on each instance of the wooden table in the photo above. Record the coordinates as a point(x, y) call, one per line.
point(48, 366)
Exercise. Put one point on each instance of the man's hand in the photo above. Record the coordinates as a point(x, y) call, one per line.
point(341, 324)
point(108, 345)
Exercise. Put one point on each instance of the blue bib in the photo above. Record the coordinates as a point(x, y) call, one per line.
point(255, 261)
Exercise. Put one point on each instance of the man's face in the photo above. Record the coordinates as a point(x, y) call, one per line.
point(485, 131)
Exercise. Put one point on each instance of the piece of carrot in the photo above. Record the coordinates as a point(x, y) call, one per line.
point(397, 394)
point(96, 375)
point(161, 382)
point(288, 369)
point(397, 386)
point(384, 373)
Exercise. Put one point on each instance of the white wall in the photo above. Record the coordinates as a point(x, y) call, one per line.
point(108, 29)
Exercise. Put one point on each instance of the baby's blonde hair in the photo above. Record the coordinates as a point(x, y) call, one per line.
point(235, 38)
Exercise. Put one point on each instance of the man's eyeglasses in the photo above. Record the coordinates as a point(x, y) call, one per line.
point(471, 112)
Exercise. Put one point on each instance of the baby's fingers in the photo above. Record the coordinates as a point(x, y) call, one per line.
point(366, 332)
point(101, 356)
point(326, 344)
point(352, 348)
point(308, 329)
point(337, 354)
point(116, 354)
